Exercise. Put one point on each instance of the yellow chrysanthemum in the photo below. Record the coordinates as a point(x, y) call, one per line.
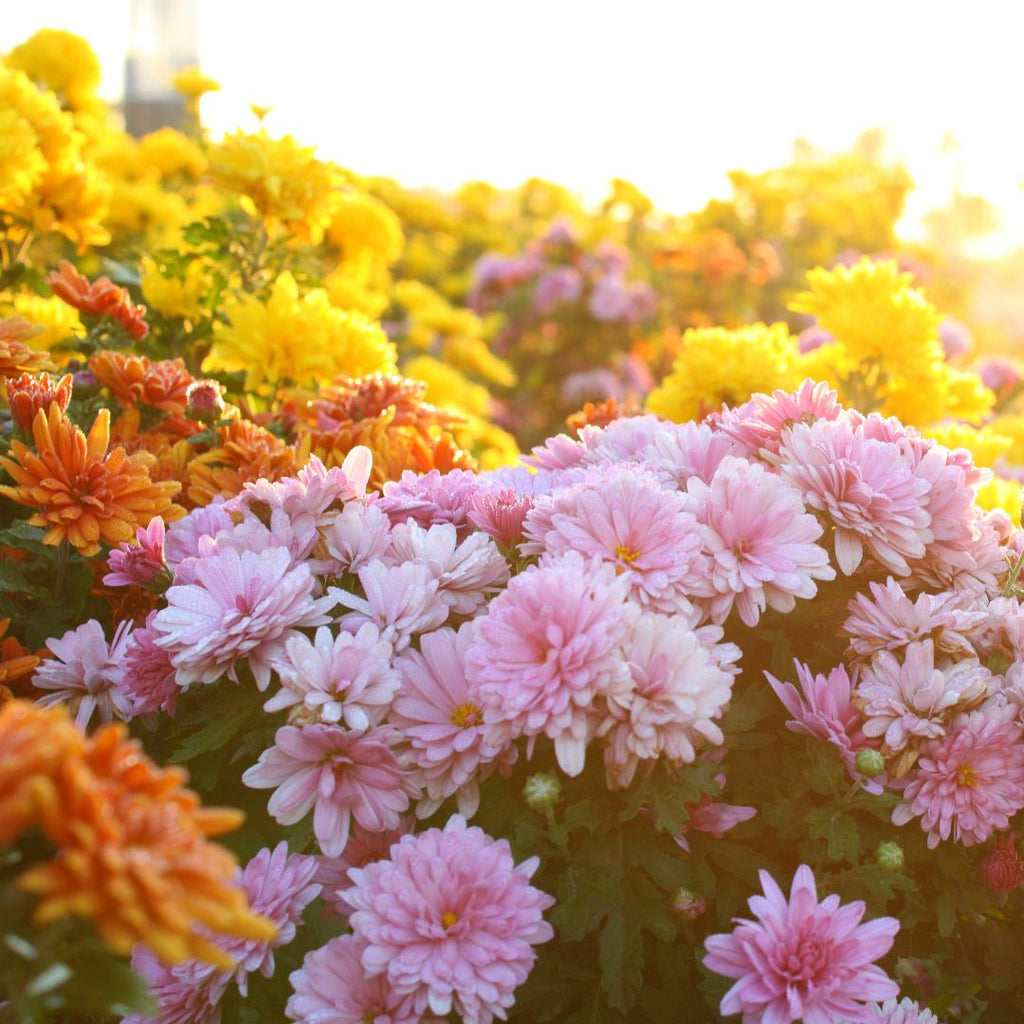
point(472, 355)
point(170, 152)
point(1002, 493)
point(192, 83)
point(969, 399)
point(348, 287)
point(298, 340)
point(447, 388)
point(62, 62)
point(60, 322)
point(362, 223)
point(22, 166)
point(282, 180)
point(874, 310)
point(717, 366)
point(175, 296)
point(986, 444)
point(1011, 425)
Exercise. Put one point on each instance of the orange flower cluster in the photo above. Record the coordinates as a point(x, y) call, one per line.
point(26, 395)
point(134, 380)
point(17, 662)
point(81, 492)
point(15, 356)
point(600, 414)
point(388, 414)
point(99, 298)
point(132, 843)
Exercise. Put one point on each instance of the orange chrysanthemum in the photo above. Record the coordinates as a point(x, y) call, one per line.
point(134, 380)
point(601, 414)
point(99, 298)
point(17, 662)
point(132, 854)
point(27, 394)
point(81, 492)
point(245, 452)
point(15, 356)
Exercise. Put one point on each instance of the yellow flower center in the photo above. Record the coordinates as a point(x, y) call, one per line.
point(965, 776)
point(448, 919)
point(466, 715)
point(627, 555)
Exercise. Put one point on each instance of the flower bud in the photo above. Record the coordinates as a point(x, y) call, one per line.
point(688, 904)
point(205, 401)
point(870, 763)
point(889, 855)
point(542, 791)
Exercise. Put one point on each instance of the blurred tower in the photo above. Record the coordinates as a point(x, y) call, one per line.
point(165, 39)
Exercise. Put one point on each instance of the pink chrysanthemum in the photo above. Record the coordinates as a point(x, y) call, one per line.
point(866, 487)
point(1002, 870)
point(438, 715)
point(358, 535)
point(280, 886)
point(913, 699)
point(678, 689)
point(336, 774)
point(546, 649)
point(629, 521)
point(431, 498)
point(182, 538)
point(87, 673)
point(345, 678)
point(823, 708)
point(984, 570)
point(401, 601)
point(241, 605)
point(467, 572)
point(501, 514)
point(629, 439)
point(802, 960)
point(888, 620)
point(760, 540)
point(187, 993)
point(331, 987)
point(906, 1011)
point(558, 452)
point(970, 782)
point(759, 424)
point(277, 529)
point(684, 450)
point(451, 921)
point(138, 564)
point(148, 679)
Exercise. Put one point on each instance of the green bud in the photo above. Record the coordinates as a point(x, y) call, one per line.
point(889, 855)
point(688, 904)
point(542, 791)
point(870, 763)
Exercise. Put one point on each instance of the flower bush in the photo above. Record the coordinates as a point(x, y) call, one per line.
point(503, 738)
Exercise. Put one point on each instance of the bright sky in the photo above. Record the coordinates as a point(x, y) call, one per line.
point(670, 94)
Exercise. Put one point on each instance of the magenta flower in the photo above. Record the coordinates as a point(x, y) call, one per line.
point(431, 498)
point(437, 714)
point(802, 960)
point(148, 679)
point(241, 606)
point(629, 521)
point(345, 678)
point(760, 540)
point(138, 564)
point(87, 673)
point(331, 987)
point(501, 515)
point(546, 649)
point(970, 782)
point(866, 487)
point(336, 774)
point(186, 993)
point(450, 920)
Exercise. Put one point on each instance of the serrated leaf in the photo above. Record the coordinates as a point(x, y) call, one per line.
point(220, 717)
point(586, 895)
point(838, 830)
point(620, 954)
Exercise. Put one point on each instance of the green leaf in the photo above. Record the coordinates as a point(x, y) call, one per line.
point(586, 895)
point(219, 718)
point(839, 830)
point(945, 913)
point(620, 953)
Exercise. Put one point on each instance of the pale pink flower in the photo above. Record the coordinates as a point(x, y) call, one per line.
point(802, 960)
point(467, 572)
point(139, 563)
point(714, 818)
point(87, 673)
point(242, 606)
point(275, 530)
point(314, 489)
point(182, 538)
point(331, 987)
point(678, 691)
point(556, 453)
point(970, 782)
point(430, 498)
point(1001, 375)
point(401, 601)
point(906, 1011)
point(760, 541)
point(889, 620)
point(451, 921)
point(336, 774)
point(557, 287)
point(358, 535)
point(866, 487)
point(501, 515)
point(346, 678)
point(148, 679)
point(984, 569)
point(823, 708)
point(186, 993)
point(685, 450)
point(629, 521)
point(914, 699)
point(760, 423)
point(437, 714)
point(279, 886)
point(546, 649)
point(629, 439)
